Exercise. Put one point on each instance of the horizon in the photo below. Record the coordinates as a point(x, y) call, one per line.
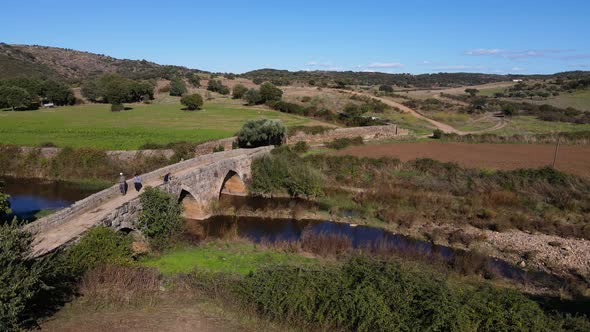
point(461, 37)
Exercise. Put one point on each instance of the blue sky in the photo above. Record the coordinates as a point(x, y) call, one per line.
point(493, 36)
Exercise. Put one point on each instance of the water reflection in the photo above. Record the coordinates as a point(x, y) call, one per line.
point(30, 196)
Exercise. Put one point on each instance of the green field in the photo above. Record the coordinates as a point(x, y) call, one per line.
point(524, 125)
point(95, 126)
point(222, 256)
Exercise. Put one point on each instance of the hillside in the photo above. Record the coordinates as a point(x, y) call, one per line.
point(72, 65)
point(285, 77)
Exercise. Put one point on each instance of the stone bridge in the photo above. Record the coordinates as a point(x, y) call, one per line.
point(197, 183)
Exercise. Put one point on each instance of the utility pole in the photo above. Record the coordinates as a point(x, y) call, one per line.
point(556, 151)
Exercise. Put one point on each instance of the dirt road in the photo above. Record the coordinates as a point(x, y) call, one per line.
point(439, 125)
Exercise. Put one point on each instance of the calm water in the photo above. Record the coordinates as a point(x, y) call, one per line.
point(272, 230)
point(30, 196)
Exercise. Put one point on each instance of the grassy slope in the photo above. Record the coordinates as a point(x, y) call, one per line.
point(531, 125)
point(96, 126)
point(221, 256)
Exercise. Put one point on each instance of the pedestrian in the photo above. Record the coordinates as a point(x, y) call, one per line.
point(122, 184)
point(137, 182)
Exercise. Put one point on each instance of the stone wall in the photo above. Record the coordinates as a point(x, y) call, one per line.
point(372, 133)
point(208, 147)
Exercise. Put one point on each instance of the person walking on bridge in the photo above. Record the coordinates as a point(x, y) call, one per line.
point(137, 182)
point(122, 184)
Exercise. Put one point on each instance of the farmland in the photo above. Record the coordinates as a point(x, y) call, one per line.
point(572, 159)
point(94, 125)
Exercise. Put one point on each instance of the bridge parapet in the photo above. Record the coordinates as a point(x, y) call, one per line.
point(189, 172)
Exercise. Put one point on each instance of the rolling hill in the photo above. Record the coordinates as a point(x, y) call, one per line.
point(72, 65)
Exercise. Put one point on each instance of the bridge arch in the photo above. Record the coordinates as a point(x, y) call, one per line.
point(233, 184)
point(191, 207)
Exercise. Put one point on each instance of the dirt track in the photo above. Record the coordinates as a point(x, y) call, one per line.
point(572, 159)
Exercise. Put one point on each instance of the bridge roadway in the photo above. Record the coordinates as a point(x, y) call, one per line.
point(201, 178)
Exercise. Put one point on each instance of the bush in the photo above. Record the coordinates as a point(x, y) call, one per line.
point(117, 107)
point(261, 132)
point(100, 245)
point(28, 288)
point(239, 91)
point(253, 97)
point(284, 171)
point(301, 147)
point(219, 148)
point(192, 102)
point(269, 92)
point(437, 134)
point(372, 295)
point(177, 87)
point(160, 217)
point(217, 86)
point(341, 143)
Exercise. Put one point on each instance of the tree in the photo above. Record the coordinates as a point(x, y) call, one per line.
point(59, 94)
point(194, 80)
point(253, 97)
point(217, 86)
point(472, 92)
point(177, 87)
point(14, 97)
point(239, 91)
point(261, 132)
point(386, 88)
point(192, 102)
point(269, 92)
point(508, 110)
point(4, 204)
point(160, 217)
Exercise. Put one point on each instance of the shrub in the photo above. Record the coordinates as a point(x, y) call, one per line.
point(100, 245)
point(341, 143)
point(239, 91)
point(117, 107)
point(28, 288)
point(284, 171)
point(261, 132)
point(301, 147)
point(269, 92)
point(219, 148)
point(372, 295)
point(160, 217)
point(177, 87)
point(192, 102)
point(217, 86)
point(437, 134)
point(253, 97)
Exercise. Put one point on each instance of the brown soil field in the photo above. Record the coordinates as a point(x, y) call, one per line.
point(574, 159)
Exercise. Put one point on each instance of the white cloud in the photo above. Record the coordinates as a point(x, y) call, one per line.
point(518, 69)
point(459, 67)
point(484, 51)
point(521, 54)
point(318, 64)
point(579, 65)
point(384, 65)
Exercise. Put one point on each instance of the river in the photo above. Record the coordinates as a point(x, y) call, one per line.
point(29, 197)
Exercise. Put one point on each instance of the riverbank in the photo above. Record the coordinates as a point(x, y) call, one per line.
point(564, 257)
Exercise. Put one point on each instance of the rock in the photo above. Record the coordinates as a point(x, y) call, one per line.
point(522, 264)
point(566, 248)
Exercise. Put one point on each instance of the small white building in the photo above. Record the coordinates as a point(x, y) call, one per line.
point(49, 105)
point(517, 80)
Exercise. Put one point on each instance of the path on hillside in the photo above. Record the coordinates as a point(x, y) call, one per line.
point(437, 124)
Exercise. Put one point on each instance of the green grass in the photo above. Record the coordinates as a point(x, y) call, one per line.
point(95, 126)
point(531, 125)
point(408, 121)
point(579, 100)
point(222, 256)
